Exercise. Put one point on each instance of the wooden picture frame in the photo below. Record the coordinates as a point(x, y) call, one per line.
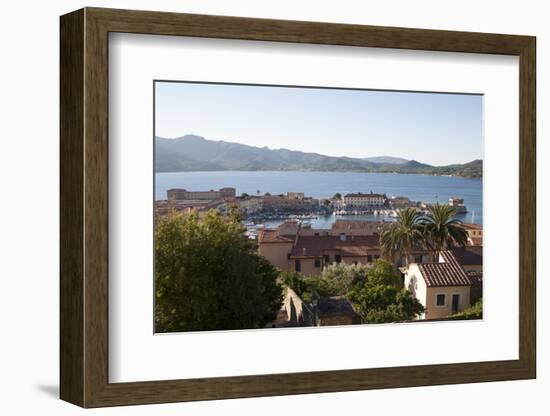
point(84, 207)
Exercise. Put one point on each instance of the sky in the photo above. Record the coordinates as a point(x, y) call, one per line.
point(437, 129)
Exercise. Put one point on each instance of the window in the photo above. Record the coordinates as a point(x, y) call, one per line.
point(369, 258)
point(440, 300)
point(317, 262)
point(418, 259)
point(377, 256)
point(297, 265)
point(326, 257)
point(337, 258)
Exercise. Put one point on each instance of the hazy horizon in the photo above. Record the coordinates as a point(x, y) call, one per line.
point(433, 128)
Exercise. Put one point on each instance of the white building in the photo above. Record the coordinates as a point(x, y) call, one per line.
point(444, 288)
point(364, 201)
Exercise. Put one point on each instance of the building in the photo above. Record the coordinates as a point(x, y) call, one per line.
point(364, 201)
point(295, 195)
point(356, 227)
point(398, 202)
point(250, 205)
point(458, 204)
point(292, 201)
point(294, 312)
point(178, 194)
point(443, 287)
point(310, 254)
point(276, 247)
point(475, 234)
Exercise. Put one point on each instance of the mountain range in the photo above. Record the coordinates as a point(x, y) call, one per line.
point(195, 153)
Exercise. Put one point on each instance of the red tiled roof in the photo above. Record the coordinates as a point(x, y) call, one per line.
point(316, 246)
point(471, 226)
point(476, 241)
point(448, 273)
point(273, 236)
point(353, 224)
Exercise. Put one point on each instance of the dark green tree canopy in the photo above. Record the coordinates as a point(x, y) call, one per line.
point(208, 276)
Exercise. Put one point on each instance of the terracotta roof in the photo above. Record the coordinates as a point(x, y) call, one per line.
point(273, 236)
point(353, 224)
point(472, 226)
point(447, 273)
point(476, 241)
point(467, 257)
point(316, 246)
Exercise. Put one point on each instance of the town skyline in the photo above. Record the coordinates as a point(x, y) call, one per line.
point(419, 126)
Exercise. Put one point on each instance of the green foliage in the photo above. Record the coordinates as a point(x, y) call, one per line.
point(441, 230)
point(208, 276)
point(374, 290)
point(381, 299)
point(473, 312)
point(337, 195)
point(401, 236)
point(437, 230)
point(310, 287)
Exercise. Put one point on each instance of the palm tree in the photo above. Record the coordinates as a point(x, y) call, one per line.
point(403, 235)
point(442, 230)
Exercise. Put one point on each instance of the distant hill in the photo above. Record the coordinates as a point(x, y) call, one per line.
point(390, 160)
point(195, 153)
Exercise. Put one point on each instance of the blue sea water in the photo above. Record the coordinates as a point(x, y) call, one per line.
point(424, 188)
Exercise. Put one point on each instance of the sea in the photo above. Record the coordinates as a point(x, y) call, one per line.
point(425, 188)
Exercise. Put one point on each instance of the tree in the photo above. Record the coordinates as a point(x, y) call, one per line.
point(442, 230)
point(345, 276)
point(403, 235)
point(244, 195)
point(310, 287)
point(473, 312)
point(208, 276)
point(337, 195)
point(381, 299)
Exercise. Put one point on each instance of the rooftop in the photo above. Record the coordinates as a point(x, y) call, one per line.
point(446, 273)
point(273, 236)
point(352, 246)
point(362, 195)
point(353, 224)
point(471, 226)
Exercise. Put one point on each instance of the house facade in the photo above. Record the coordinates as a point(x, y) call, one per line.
point(444, 287)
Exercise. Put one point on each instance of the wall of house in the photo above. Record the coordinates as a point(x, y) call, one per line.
point(416, 285)
point(277, 254)
point(435, 312)
point(307, 266)
point(297, 311)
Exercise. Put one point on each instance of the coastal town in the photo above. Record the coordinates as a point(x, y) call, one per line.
point(446, 282)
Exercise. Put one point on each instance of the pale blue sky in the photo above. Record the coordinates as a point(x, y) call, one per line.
point(432, 128)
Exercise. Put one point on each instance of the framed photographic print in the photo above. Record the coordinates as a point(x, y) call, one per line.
point(255, 207)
